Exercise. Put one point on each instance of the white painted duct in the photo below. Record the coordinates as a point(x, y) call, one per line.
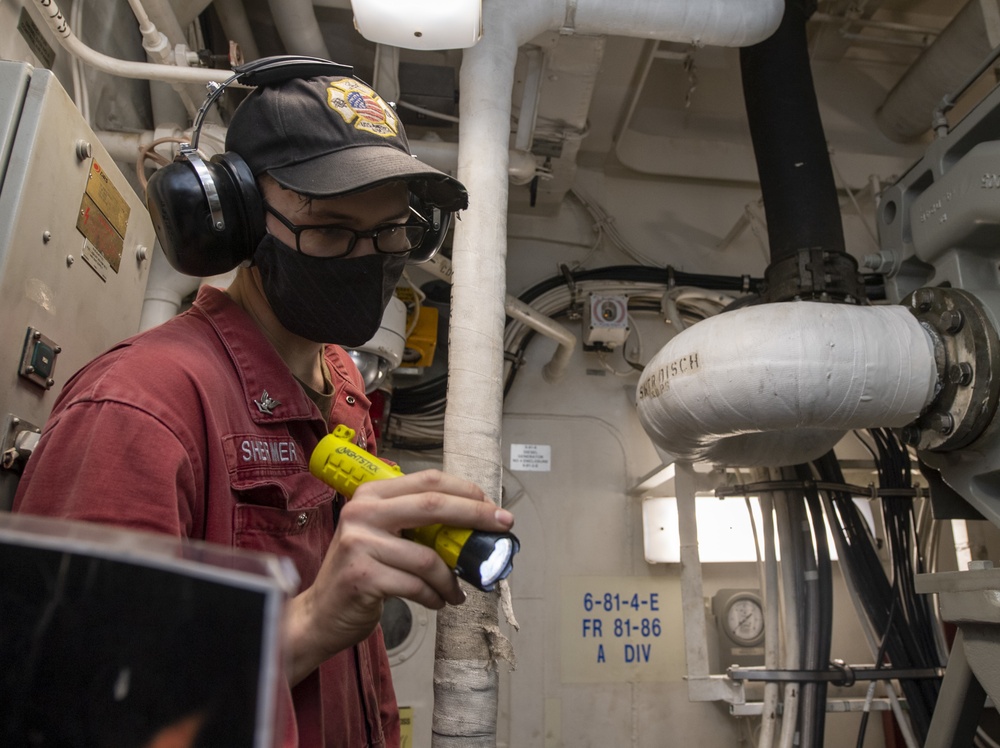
point(780, 384)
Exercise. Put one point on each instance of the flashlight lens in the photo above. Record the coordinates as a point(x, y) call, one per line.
point(494, 566)
point(486, 558)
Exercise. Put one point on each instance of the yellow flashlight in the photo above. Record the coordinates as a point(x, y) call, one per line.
point(480, 558)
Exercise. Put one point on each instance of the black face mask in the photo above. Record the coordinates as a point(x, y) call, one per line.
point(327, 300)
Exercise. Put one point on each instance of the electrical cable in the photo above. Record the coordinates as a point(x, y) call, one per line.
point(416, 421)
point(819, 578)
point(879, 658)
point(647, 274)
point(906, 646)
point(561, 295)
point(791, 612)
point(825, 570)
point(605, 224)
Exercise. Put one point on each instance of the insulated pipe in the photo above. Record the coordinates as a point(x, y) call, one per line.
point(793, 164)
point(725, 23)
point(780, 384)
point(468, 641)
point(469, 644)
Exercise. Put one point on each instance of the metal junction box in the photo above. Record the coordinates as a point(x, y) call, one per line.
point(605, 322)
point(74, 246)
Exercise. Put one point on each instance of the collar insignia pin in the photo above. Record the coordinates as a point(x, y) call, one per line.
point(266, 404)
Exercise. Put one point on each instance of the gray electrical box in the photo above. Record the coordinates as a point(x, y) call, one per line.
point(74, 246)
point(605, 322)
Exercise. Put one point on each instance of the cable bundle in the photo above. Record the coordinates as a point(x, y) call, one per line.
point(899, 618)
point(417, 418)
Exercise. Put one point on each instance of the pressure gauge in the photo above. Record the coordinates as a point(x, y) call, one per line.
point(744, 620)
point(739, 616)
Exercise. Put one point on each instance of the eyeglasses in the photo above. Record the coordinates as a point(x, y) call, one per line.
point(331, 241)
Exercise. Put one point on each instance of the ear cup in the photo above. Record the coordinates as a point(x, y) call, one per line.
point(178, 203)
point(246, 200)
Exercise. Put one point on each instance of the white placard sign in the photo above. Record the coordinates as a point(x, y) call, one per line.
point(535, 457)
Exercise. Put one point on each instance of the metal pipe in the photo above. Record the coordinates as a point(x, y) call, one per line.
point(905, 28)
point(236, 25)
point(123, 68)
point(298, 28)
point(908, 109)
point(529, 99)
point(556, 367)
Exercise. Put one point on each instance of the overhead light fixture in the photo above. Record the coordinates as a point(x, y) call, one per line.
point(420, 24)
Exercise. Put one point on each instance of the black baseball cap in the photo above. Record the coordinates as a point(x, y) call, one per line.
point(328, 136)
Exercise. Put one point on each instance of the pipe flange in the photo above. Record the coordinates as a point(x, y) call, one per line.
point(967, 352)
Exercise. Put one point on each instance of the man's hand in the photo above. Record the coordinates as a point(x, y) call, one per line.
point(368, 561)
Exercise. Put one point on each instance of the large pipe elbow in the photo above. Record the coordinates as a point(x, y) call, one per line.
point(780, 384)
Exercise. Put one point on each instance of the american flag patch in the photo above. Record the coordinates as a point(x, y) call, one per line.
point(362, 107)
point(366, 107)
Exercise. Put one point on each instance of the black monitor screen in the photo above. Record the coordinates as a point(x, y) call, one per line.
point(105, 652)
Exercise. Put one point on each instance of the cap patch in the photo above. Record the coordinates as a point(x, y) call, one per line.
point(358, 104)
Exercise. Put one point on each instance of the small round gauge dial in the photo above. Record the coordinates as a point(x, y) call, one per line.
point(745, 620)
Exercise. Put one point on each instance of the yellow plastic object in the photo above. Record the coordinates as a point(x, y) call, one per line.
point(422, 342)
point(340, 463)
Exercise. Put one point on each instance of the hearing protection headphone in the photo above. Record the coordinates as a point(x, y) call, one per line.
point(209, 216)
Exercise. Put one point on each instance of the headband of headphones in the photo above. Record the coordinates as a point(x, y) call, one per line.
point(209, 216)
